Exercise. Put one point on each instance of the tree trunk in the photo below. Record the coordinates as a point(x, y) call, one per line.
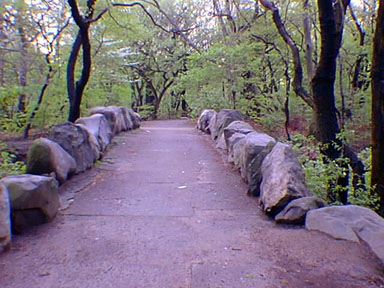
point(75, 90)
point(21, 106)
point(74, 111)
point(377, 75)
point(308, 40)
point(356, 84)
point(322, 85)
point(71, 74)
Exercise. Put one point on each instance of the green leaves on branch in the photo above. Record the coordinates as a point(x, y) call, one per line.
point(322, 174)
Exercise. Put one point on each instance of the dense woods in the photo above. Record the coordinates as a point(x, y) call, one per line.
point(310, 72)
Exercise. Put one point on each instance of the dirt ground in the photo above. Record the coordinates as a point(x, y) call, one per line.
point(164, 209)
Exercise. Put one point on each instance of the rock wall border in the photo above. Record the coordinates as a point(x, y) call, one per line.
point(71, 148)
point(273, 173)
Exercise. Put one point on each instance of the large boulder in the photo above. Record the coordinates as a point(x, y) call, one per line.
point(95, 145)
point(127, 117)
point(136, 118)
point(237, 127)
point(34, 199)
point(254, 174)
point(222, 120)
point(205, 119)
point(220, 143)
point(98, 125)
point(46, 156)
point(254, 144)
point(350, 223)
point(75, 141)
point(5, 223)
point(296, 211)
point(283, 179)
point(231, 146)
point(114, 116)
point(212, 125)
point(237, 149)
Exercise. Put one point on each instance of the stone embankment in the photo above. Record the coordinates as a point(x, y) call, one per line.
point(71, 148)
point(273, 173)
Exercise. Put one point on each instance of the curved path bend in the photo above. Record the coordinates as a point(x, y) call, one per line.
point(164, 210)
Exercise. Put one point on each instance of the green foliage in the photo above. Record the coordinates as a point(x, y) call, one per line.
point(322, 173)
point(365, 197)
point(8, 163)
point(217, 79)
point(11, 121)
point(146, 111)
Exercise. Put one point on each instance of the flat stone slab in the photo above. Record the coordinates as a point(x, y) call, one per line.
point(350, 223)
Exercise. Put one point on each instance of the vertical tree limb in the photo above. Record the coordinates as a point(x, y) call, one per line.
point(377, 74)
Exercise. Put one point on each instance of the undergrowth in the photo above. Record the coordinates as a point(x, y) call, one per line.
point(9, 164)
point(322, 173)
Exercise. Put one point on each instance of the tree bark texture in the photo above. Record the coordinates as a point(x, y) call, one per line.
point(331, 30)
point(76, 90)
point(21, 106)
point(377, 75)
point(71, 74)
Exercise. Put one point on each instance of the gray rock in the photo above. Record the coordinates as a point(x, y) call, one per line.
point(212, 125)
point(231, 143)
point(237, 127)
point(254, 174)
point(205, 119)
point(222, 120)
point(254, 144)
point(98, 125)
point(5, 223)
point(237, 152)
point(75, 141)
point(114, 116)
point(296, 211)
point(127, 117)
point(34, 200)
point(350, 223)
point(136, 118)
point(283, 179)
point(46, 156)
point(220, 144)
point(96, 148)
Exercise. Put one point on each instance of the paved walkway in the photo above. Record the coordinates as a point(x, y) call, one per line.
point(164, 210)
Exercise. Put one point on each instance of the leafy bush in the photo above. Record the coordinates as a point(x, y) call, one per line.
point(8, 163)
point(322, 173)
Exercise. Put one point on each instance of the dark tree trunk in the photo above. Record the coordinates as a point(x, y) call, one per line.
point(21, 106)
point(71, 75)
point(74, 111)
point(377, 75)
point(323, 81)
point(76, 90)
point(331, 30)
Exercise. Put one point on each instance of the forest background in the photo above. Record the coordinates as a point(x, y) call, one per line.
point(168, 59)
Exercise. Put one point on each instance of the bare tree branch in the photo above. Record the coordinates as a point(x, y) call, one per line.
point(298, 75)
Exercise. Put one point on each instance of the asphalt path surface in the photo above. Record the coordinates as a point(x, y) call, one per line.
point(164, 209)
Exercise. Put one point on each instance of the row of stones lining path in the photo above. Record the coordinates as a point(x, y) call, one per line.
point(164, 209)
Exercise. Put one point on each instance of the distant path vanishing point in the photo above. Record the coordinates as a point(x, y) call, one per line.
point(163, 210)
